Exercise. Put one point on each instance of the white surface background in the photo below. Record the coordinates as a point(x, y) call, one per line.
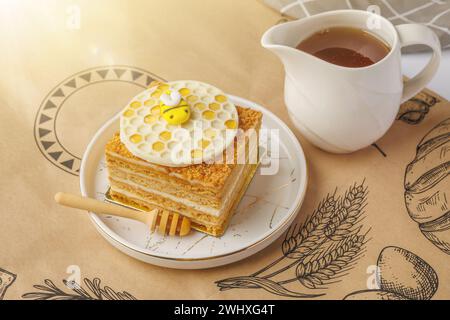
point(414, 62)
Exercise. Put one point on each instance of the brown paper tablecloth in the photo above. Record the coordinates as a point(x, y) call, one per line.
point(47, 46)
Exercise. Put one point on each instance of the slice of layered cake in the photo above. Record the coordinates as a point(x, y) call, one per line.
point(205, 185)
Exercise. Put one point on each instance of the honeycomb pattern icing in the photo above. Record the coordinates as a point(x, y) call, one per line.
point(211, 128)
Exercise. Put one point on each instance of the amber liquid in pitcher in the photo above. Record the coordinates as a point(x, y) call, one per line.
point(346, 47)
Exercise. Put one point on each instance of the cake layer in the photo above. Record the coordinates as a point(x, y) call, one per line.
point(155, 172)
point(202, 222)
point(121, 170)
point(170, 189)
point(179, 204)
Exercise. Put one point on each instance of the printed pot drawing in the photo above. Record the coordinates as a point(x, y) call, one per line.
point(401, 275)
point(415, 110)
point(427, 186)
point(6, 280)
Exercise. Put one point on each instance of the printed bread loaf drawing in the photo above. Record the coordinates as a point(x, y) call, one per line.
point(406, 274)
point(427, 186)
point(401, 275)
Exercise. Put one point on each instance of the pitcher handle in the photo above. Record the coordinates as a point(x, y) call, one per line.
point(412, 34)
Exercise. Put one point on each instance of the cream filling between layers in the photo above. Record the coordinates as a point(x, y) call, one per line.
point(185, 202)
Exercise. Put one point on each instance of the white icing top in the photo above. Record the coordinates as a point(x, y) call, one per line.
point(211, 128)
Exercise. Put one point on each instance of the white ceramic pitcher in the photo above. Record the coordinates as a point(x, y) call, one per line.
point(343, 109)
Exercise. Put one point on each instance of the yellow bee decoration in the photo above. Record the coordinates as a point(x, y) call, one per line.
point(174, 109)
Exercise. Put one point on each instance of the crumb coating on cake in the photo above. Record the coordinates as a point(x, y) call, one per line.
point(211, 174)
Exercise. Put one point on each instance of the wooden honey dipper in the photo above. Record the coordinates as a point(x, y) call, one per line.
point(160, 220)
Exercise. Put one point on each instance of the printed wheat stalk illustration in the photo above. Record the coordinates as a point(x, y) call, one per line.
point(49, 291)
point(319, 272)
point(320, 250)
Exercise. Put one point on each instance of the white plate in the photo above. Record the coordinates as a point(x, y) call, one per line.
point(267, 209)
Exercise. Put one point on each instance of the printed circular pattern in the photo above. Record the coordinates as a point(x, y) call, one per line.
point(211, 128)
point(45, 129)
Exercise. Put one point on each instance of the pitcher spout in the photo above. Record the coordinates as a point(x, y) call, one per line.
point(276, 39)
point(282, 41)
